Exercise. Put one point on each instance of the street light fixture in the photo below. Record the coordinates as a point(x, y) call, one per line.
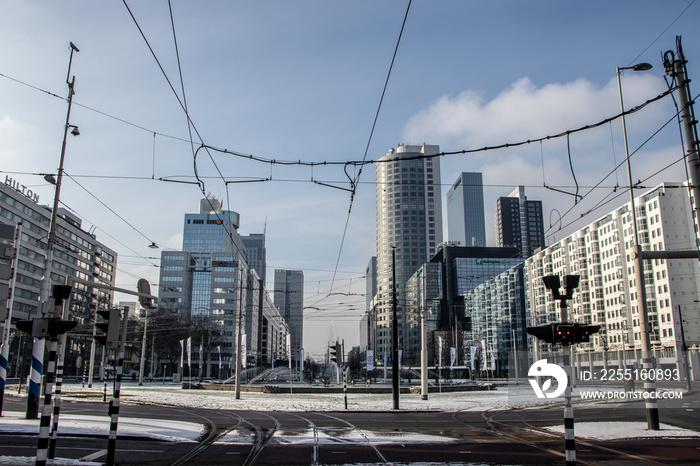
point(649, 385)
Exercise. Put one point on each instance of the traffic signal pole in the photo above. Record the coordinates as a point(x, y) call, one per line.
point(569, 433)
point(394, 335)
point(114, 404)
point(60, 355)
point(5, 348)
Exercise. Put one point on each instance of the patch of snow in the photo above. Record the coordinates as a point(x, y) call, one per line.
point(621, 430)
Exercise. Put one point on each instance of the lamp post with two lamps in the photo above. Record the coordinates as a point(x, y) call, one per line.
point(44, 292)
point(647, 362)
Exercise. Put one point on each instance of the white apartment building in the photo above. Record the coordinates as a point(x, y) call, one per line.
point(601, 253)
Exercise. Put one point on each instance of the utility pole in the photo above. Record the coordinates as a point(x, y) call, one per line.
point(424, 344)
point(238, 333)
point(676, 68)
point(143, 349)
point(394, 334)
point(684, 351)
point(40, 343)
point(640, 284)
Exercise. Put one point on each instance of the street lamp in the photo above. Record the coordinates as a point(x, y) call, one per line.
point(649, 385)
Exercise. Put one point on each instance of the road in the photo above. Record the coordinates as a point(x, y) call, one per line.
point(346, 437)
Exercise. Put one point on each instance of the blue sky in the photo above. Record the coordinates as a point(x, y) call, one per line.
point(301, 80)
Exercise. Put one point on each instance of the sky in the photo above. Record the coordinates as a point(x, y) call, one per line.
point(303, 81)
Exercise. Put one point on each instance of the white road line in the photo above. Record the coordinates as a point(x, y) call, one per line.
point(94, 456)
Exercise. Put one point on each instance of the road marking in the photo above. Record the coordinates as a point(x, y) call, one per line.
point(94, 456)
point(465, 451)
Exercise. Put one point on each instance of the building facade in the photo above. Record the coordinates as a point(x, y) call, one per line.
point(466, 223)
point(256, 253)
point(210, 280)
point(77, 253)
point(601, 254)
point(408, 223)
point(498, 313)
point(519, 222)
point(289, 299)
point(463, 270)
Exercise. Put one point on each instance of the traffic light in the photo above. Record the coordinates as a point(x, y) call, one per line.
point(59, 326)
point(583, 332)
point(563, 333)
point(145, 288)
point(336, 354)
point(110, 328)
point(37, 328)
point(543, 332)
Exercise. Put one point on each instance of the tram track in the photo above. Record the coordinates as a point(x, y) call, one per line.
point(213, 433)
point(315, 456)
point(261, 439)
point(361, 432)
point(637, 458)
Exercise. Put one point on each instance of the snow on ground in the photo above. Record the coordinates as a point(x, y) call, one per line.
point(513, 396)
point(520, 396)
point(174, 431)
point(621, 430)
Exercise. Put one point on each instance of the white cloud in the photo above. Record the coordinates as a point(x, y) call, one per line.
point(524, 111)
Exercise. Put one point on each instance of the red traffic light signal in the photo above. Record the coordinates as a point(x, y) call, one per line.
point(583, 332)
point(563, 333)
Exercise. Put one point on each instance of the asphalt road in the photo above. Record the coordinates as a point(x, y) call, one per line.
point(347, 437)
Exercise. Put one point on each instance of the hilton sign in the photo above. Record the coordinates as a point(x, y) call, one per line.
point(22, 189)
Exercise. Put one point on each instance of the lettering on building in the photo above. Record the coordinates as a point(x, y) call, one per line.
point(22, 189)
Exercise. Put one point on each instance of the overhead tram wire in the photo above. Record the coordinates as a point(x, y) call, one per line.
point(109, 208)
point(359, 163)
point(191, 124)
point(660, 35)
point(613, 171)
point(353, 183)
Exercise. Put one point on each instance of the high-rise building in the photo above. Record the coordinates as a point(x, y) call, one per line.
point(211, 279)
point(519, 222)
point(465, 211)
point(409, 223)
point(289, 299)
point(256, 253)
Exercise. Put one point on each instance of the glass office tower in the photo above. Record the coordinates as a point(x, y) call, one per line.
point(465, 211)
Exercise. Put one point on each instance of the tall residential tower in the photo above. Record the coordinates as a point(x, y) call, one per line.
point(409, 220)
point(519, 222)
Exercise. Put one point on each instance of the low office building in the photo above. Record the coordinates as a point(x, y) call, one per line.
point(77, 253)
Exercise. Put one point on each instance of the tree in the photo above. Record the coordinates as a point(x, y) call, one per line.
point(355, 360)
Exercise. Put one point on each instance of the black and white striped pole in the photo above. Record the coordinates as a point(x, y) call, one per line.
point(565, 335)
point(61, 295)
point(569, 434)
point(45, 422)
point(114, 404)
